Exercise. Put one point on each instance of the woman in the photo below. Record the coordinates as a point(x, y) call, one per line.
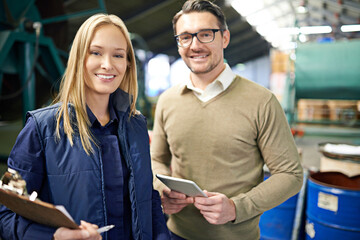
point(90, 150)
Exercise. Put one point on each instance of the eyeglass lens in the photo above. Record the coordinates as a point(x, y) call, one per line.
point(204, 36)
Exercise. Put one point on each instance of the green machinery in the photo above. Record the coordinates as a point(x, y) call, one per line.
point(26, 53)
point(32, 62)
point(329, 72)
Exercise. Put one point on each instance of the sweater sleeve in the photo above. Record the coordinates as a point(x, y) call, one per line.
point(160, 150)
point(27, 158)
point(277, 146)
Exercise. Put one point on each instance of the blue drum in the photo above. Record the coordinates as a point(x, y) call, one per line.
point(333, 207)
point(277, 223)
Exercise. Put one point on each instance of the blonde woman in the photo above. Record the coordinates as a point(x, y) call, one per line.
point(90, 150)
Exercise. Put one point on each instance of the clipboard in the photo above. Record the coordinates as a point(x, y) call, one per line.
point(37, 210)
point(33, 209)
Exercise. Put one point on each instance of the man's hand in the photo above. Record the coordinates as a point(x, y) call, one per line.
point(217, 208)
point(174, 202)
point(87, 231)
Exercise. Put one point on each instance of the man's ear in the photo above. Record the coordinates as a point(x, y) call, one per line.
point(226, 38)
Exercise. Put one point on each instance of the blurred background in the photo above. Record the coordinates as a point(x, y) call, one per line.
point(307, 52)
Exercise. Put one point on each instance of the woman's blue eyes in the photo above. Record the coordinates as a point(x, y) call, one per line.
point(94, 53)
point(99, 54)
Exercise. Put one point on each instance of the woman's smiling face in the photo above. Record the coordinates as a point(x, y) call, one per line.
point(106, 61)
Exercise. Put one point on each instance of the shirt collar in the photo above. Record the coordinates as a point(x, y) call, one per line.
point(225, 79)
point(92, 117)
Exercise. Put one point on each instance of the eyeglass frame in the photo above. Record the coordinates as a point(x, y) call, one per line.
point(195, 35)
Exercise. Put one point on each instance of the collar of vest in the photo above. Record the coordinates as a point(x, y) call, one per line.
point(121, 100)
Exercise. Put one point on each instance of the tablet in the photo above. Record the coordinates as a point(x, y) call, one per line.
point(187, 187)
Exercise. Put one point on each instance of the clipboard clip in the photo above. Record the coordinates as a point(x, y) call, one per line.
point(13, 182)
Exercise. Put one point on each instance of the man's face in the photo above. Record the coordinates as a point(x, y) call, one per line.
point(202, 58)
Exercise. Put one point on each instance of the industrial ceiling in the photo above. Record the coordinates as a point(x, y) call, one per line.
point(151, 20)
point(25, 71)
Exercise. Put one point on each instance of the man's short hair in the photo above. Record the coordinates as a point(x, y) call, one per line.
point(201, 6)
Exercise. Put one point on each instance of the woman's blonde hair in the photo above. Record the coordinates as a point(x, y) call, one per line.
point(72, 87)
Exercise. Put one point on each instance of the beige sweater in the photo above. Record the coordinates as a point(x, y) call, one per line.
point(222, 145)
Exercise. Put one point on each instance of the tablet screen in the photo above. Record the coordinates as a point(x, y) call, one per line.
point(187, 187)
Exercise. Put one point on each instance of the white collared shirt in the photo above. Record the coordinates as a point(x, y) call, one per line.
point(220, 84)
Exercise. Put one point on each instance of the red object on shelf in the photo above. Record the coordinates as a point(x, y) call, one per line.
point(297, 132)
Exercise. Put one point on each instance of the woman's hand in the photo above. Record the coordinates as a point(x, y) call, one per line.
point(87, 231)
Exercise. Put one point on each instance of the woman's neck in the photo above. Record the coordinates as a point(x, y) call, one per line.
point(100, 108)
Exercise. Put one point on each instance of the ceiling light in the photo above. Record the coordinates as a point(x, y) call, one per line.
point(288, 45)
point(350, 28)
point(301, 9)
point(246, 8)
point(289, 31)
point(302, 38)
point(315, 29)
point(260, 17)
point(266, 29)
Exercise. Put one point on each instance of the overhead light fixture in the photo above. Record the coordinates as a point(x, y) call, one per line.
point(259, 18)
point(301, 10)
point(302, 38)
point(315, 29)
point(246, 8)
point(350, 28)
point(305, 30)
point(266, 21)
point(290, 30)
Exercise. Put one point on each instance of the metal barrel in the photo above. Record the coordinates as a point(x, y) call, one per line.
point(333, 206)
point(277, 223)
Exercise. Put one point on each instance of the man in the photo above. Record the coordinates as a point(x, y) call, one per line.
point(219, 130)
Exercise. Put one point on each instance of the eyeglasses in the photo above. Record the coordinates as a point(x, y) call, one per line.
point(204, 36)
